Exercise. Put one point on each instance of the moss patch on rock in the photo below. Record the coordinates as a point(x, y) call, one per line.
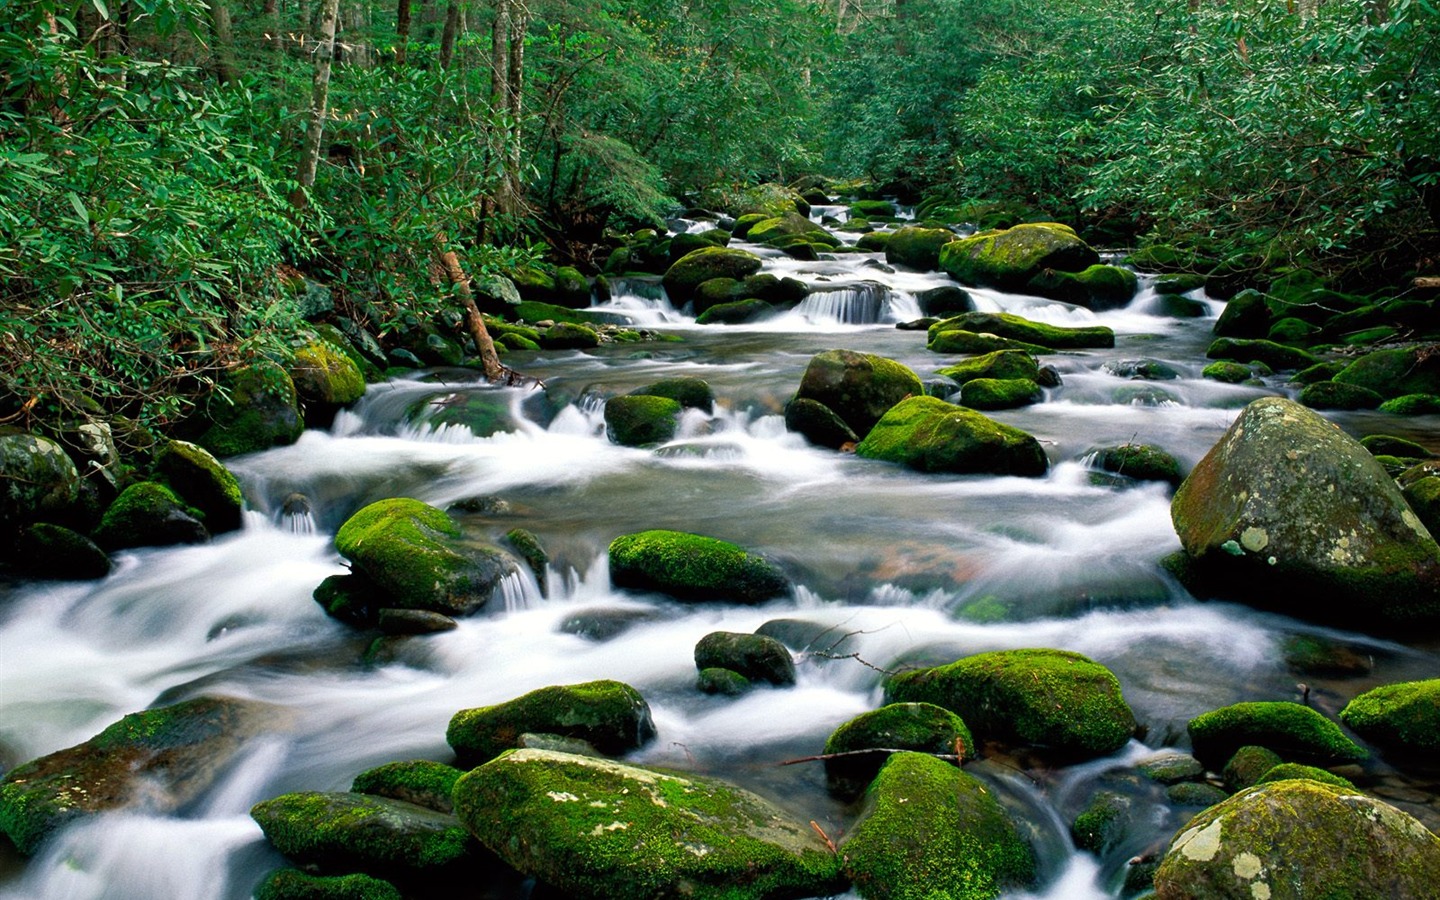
point(1018, 328)
point(755, 656)
point(1276, 356)
point(420, 781)
point(1004, 364)
point(1297, 733)
point(1402, 717)
point(204, 482)
point(293, 884)
point(693, 567)
point(148, 514)
point(920, 727)
point(931, 435)
point(1011, 258)
point(698, 266)
point(917, 248)
point(611, 716)
point(857, 387)
point(637, 421)
point(1000, 393)
point(255, 408)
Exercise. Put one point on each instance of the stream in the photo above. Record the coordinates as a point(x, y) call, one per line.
point(892, 567)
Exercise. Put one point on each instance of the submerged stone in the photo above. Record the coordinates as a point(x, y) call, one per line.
point(693, 567)
point(1142, 462)
point(609, 715)
point(818, 423)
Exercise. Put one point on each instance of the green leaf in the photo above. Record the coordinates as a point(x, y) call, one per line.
point(79, 206)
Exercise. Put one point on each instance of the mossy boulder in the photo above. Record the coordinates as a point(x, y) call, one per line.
point(781, 230)
point(1394, 373)
point(1195, 794)
point(413, 553)
point(325, 380)
point(148, 514)
point(957, 340)
point(1319, 372)
point(611, 716)
point(917, 248)
point(1095, 287)
point(1276, 356)
point(638, 420)
point(946, 300)
point(744, 223)
point(1300, 840)
point(1143, 462)
point(1404, 718)
point(254, 408)
point(1228, 372)
point(1288, 512)
point(204, 482)
point(698, 266)
point(818, 423)
point(1423, 495)
point(693, 567)
point(347, 832)
point(569, 336)
point(874, 242)
point(1412, 405)
point(689, 241)
point(43, 550)
point(571, 288)
point(920, 727)
point(1003, 364)
point(930, 830)
point(420, 781)
point(1000, 393)
point(1171, 768)
point(736, 312)
point(294, 884)
point(154, 761)
point(594, 828)
point(1010, 259)
point(766, 200)
point(1390, 445)
point(37, 479)
point(1017, 328)
point(1338, 395)
point(725, 682)
point(1053, 699)
point(1103, 823)
point(1287, 771)
point(712, 293)
point(755, 656)
point(1247, 765)
point(1297, 733)
point(857, 387)
point(931, 435)
point(867, 209)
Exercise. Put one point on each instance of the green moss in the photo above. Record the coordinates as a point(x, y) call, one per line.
point(293, 884)
point(1191, 793)
point(736, 312)
point(1276, 356)
point(1171, 768)
point(421, 782)
point(958, 340)
point(255, 408)
point(360, 832)
point(1335, 395)
point(928, 831)
point(782, 229)
point(1395, 373)
point(1319, 372)
point(1102, 824)
point(147, 514)
point(693, 567)
point(744, 223)
point(1227, 372)
point(569, 336)
point(721, 681)
point(921, 727)
point(530, 550)
point(931, 435)
point(875, 241)
point(640, 420)
point(1000, 393)
point(533, 311)
point(873, 208)
point(203, 481)
point(1389, 445)
point(687, 390)
point(1009, 259)
point(1139, 461)
point(1296, 732)
point(1003, 364)
point(917, 248)
point(1403, 717)
point(324, 375)
point(43, 550)
point(1008, 325)
point(1412, 405)
point(1287, 771)
point(1096, 287)
point(1046, 698)
point(609, 715)
point(698, 266)
point(36, 478)
point(755, 656)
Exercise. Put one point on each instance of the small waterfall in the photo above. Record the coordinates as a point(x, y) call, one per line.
point(296, 515)
point(864, 303)
point(519, 590)
point(642, 301)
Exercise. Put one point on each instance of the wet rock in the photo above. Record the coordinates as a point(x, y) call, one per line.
point(485, 412)
point(1143, 369)
point(1192, 793)
point(1389, 445)
point(1404, 718)
point(1248, 765)
point(1287, 771)
point(604, 624)
point(934, 436)
point(1017, 328)
point(43, 550)
point(255, 408)
point(1412, 405)
point(1171, 768)
point(639, 421)
point(569, 336)
point(148, 515)
point(412, 552)
point(528, 546)
point(352, 599)
point(1142, 462)
point(1289, 512)
point(1095, 287)
point(726, 682)
point(930, 830)
point(1297, 733)
point(610, 715)
point(1228, 372)
point(958, 341)
point(693, 567)
point(857, 387)
point(918, 248)
point(804, 636)
point(420, 781)
point(1010, 259)
point(325, 380)
point(1336, 395)
point(1276, 356)
point(778, 229)
point(1395, 373)
point(1103, 823)
point(37, 478)
point(687, 390)
point(818, 423)
point(1298, 840)
point(204, 482)
point(755, 656)
point(293, 884)
point(413, 621)
point(919, 727)
point(1002, 364)
point(1178, 307)
point(1000, 393)
point(697, 266)
point(1313, 655)
point(1245, 316)
point(596, 828)
point(1047, 698)
point(735, 312)
point(154, 761)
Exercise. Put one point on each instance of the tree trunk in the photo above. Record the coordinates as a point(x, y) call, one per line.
point(519, 24)
point(489, 359)
point(449, 36)
point(222, 37)
point(402, 32)
point(271, 12)
point(319, 99)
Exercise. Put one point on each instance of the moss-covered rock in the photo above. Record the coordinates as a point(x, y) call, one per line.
point(725, 682)
point(931, 435)
point(1096, 287)
point(293, 884)
point(1394, 373)
point(1142, 462)
point(693, 567)
point(378, 836)
point(1390, 445)
point(352, 599)
point(1338, 395)
point(958, 340)
point(921, 727)
point(1000, 393)
point(1248, 765)
point(1010, 259)
point(37, 478)
point(689, 241)
point(946, 300)
point(744, 223)
point(1276, 356)
point(736, 312)
point(43, 550)
point(874, 242)
point(1003, 364)
point(917, 248)
point(154, 761)
point(1287, 771)
point(204, 482)
point(325, 379)
point(1401, 717)
point(1412, 405)
point(781, 230)
point(857, 387)
point(1197, 794)
point(598, 829)
point(1289, 512)
point(1300, 840)
point(569, 336)
point(412, 552)
point(639, 420)
point(868, 209)
point(611, 716)
point(755, 656)
point(929, 830)
point(1171, 768)
point(699, 266)
point(818, 423)
point(1228, 372)
point(1423, 495)
point(1103, 823)
point(148, 514)
point(1046, 698)
point(1008, 325)
point(420, 781)
point(255, 408)
point(689, 391)
point(1297, 733)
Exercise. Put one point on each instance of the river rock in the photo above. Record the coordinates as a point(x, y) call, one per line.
point(609, 715)
point(569, 336)
point(725, 682)
point(697, 266)
point(818, 423)
point(293, 884)
point(1338, 395)
point(1009, 259)
point(790, 225)
point(1287, 771)
point(917, 248)
point(599, 829)
point(999, 364)
point(1017, 328)
point(1000, 393)
point(154, 761)
point(412, 552)
point(930, 830)
point(420, 781)
point(1276, 356)
point(735, 312)
point(958, 340)
point(1103, 823)
point(1299, 840)
point(346, 832)
point(1096, 287)
point(693, 567)
point(1245, 316)
point(641, 420)
point(325, 380)
point(148, 514)
point(857, 387)
point(1142, 462)
point(931, 435)
point(1248, 765)
point(945, 301)
point(1294, 732)
point(921, 727)
point(687, 390)
point(1412, 405)
point(1047, 698)
point(204, 482)
point(37, 478)
point(1289, 512)
point(1404, 718)
point(755, 656)
point(1393, 373)
point(43, 550)
point(689, 241)
point(254, 408)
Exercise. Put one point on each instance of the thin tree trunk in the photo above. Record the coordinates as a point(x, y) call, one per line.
point(402, 32)
point(519, 23)
point(450, 34)
point(489, 359)
point(319, 99)
point(223, 40)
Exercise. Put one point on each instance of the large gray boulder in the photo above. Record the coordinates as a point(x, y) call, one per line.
point(36, 478)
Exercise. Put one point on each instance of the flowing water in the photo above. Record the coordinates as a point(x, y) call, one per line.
point(891, 567)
